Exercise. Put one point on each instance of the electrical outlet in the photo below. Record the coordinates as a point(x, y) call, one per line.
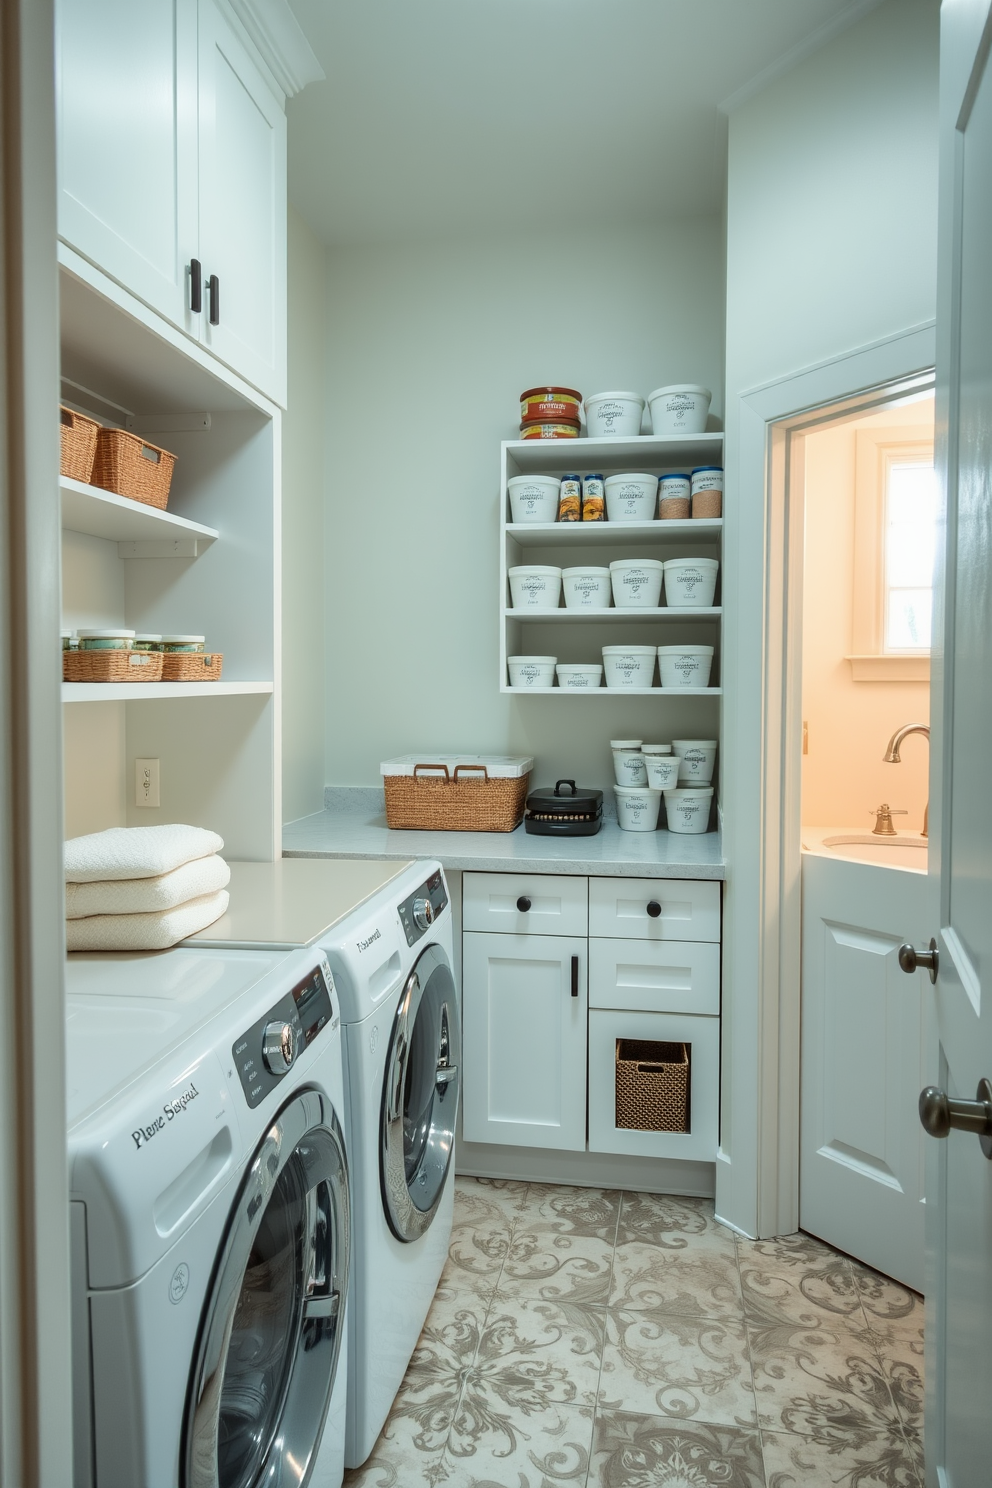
point(146, 782)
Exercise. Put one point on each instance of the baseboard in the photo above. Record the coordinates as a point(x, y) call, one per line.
point(587, 1169)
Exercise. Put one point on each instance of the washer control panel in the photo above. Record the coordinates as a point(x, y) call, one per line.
point(418, 913)
point(268, 1050)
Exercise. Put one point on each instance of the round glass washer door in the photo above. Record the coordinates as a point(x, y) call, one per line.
point(271, 1330)
point(420, 1097)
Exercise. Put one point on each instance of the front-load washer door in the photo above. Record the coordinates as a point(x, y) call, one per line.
point(420, 1096)
point(271, 1329)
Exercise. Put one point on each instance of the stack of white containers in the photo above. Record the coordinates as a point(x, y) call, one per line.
point(681, 772)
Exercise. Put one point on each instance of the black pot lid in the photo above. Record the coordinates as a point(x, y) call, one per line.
point(566, 799)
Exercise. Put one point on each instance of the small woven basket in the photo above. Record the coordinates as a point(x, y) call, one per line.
point(427, 803)
point(132, 467)
point(78, 436)
point(652, 1086)
point(111, 666)
point(192, 666)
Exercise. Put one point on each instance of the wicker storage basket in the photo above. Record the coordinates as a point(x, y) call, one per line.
point(464, 800)
point(132, 467)
point(652, 1086)
point(192, 666)
point(112, 666)
point(78, 436)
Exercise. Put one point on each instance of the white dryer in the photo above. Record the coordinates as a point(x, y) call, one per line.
point(210, 1219)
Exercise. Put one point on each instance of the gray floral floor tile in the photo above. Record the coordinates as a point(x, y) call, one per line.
point(399, 1459)
point(642, 1451)
point(445, 1352)
point(480, 1239)
point(690, 1368)
point(797, 1278)
point(835, 1459)
point(671, 1223)
point(510, 1196)
point(887, 1302)
point(813, 1382)
point(700, 1281)
point(547, 1448)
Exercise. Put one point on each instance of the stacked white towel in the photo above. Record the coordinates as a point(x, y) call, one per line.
point(142, 888)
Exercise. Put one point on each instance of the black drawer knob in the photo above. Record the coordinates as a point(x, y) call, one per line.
point(654, 908)
point(523, 904)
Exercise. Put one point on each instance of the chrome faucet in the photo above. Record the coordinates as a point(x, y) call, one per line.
point(893, 757)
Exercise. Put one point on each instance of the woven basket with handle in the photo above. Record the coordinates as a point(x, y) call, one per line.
point(465, 800)
point(132, 467)
point(192, 666)
point(78, 439)
point(111, 666)
point(652, 1086)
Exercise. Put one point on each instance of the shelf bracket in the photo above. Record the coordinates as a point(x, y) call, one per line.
point(171, 547)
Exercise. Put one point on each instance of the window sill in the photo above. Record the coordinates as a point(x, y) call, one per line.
point(890, 668)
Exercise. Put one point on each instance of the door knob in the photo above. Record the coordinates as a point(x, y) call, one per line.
point(939, 1115)
point(910, 959)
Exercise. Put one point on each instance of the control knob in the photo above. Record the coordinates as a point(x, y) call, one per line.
point(280, 1046)
point(423, 914)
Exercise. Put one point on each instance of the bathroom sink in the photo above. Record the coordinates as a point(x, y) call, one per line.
point(902, 851)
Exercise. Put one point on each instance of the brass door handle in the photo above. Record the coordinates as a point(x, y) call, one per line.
point(910, 959)
point(940, 1115)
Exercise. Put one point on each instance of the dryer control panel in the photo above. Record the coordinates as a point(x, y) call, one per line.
point(418, 912)
point(270, 1048)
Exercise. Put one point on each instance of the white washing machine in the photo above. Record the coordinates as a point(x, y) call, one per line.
point(210, 1219)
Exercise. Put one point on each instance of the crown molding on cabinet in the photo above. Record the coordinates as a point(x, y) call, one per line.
point(279, 37)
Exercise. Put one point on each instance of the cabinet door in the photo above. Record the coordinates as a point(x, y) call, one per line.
point(127, 143)
point(648, 1034)
point(242, 208)
point(665, 976)
point(654, 908)
point(524, 1040)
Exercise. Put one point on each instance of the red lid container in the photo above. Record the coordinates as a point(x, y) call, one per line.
point(550, 405)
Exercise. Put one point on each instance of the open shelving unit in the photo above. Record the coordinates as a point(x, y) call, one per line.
point(99, 513)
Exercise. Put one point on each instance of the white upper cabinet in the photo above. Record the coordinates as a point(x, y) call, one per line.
point(242, 182)
point(127, 143)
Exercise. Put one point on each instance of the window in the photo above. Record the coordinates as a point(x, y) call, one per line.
point(910, 542)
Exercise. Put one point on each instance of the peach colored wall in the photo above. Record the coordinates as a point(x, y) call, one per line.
point(844, 776)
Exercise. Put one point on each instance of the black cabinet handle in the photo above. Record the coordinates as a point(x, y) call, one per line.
point(195, 286)
point(575, 976)
point(213, 284)
point(523, 904)
point(654, 908)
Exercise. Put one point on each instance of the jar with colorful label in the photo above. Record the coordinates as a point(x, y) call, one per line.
point(707, 491)
point(673, 497)
point(593, 499)
point(570, 499)
point(550, 405)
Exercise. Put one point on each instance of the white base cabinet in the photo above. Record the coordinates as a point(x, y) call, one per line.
point(701, 1038)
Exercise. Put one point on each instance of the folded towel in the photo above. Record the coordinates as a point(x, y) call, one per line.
point(145, 932)
point(136, 852)
point(147, 895)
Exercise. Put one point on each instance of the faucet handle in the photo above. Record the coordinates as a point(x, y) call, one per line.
point(883, 820)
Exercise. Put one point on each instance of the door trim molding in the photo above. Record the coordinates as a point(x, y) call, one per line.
point(757, 1177)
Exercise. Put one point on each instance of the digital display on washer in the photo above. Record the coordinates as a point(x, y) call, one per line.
point(432, 894)
point(302, 1013)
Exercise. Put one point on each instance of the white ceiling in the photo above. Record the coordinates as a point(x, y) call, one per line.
point(466, 117)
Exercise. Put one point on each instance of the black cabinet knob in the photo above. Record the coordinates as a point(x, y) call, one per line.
point(523, 904)
point(654, 908)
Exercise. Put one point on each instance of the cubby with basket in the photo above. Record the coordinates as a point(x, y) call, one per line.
point(652, 1086)
point(130, 466)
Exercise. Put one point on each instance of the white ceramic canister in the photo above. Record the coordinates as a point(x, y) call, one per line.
point(638, 808)
point(106, 640)
point(626, 744)
point(630, 767)
point(698, 757)
point(579, 676)
point(680, 409)
point(631, 498)
point(613, 415)
point(690, 582)
point(534, 498)
point(628, 666)
point(636, 583)
point(685, 666)
point(532, 671)
point(586, 588)
point(689, 810)
point(535, 587)
point(663, 771)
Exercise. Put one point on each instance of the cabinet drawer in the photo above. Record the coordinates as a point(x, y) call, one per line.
point(645, 976)
point(557, 904)
point(689, 909)
point(702, 1039)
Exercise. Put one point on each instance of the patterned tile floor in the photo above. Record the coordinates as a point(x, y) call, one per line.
point(583, 1338)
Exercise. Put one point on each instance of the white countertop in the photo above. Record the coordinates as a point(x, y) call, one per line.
point(612, 852)
point(293, 902)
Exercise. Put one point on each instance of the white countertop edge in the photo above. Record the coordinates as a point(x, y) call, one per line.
point(338, 834)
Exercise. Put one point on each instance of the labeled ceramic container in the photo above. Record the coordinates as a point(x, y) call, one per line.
point(631, 498)
point(630, 767)
point(613, 415)
point(707, 491)
point(681, 408)
point(549, 431)
point(533, 586)
point(533, 498)
point(628, 666)
point(586, 588)
point(550, 405)
point(689, 810)
point(179, 645)
point(697, 759)
point(663, 771)
point(106, 640)
point(626, 744)
point(637, 808)
point(531, 671)
point(690, 583)
point(657, 749)
point(685, 666)
point(636, 583)
point(673, 497)
point(579, 676)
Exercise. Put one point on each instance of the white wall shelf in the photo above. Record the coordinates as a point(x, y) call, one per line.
point(145, 531)
point(612, 534)
point(554, 617)
point(614, 692)
point(647, 452)
point(125, 692)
